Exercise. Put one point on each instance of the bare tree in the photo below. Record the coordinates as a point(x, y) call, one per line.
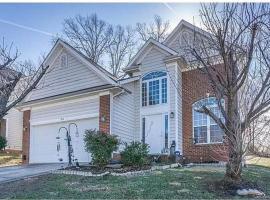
point(89, 34)
point(235, 58)
point(16, 79)
point(157, 30)
point(121, 48)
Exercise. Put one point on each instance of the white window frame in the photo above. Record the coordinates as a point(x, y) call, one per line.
point(208, 125)
point(148, 91)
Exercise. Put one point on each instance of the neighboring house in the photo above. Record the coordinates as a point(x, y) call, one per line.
point(12, 129)
point(154, 104)
point(11, 125)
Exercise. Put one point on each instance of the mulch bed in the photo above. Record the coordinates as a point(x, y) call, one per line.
point(96, 170)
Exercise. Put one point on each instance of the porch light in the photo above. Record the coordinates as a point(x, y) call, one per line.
point(103, 118)
point(172, 115)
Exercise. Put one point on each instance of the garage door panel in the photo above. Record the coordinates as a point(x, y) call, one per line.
point(43, 141)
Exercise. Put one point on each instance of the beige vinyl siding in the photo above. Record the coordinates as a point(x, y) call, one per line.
point(154, 61)
point(137, 110)
point(14, 128)
point(59, 80)
point(172, 93)
point(123, 114)
point(65, 110)
point(176, 43)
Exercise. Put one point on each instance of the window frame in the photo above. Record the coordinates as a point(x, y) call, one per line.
point(208, 123)
point(148, 89)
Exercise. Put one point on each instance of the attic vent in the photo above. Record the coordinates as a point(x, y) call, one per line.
point(64, 60)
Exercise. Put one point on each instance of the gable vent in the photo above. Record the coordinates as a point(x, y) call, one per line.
point(64, 60)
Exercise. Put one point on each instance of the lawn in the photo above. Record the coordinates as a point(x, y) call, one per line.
point(9, 159)
point(180, 183)
point(260, 161)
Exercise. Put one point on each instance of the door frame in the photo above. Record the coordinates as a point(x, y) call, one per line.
point(163, 114)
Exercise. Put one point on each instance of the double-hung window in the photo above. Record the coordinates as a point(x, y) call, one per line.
point(205, 129)
point(154, 88)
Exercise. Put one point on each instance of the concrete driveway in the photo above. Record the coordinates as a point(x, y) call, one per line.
point(13, 173)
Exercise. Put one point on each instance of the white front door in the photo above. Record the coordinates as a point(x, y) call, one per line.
point(154, 136)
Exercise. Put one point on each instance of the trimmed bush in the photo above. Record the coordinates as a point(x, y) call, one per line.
point(3, 143)
point(100, 145)
point(135, 154)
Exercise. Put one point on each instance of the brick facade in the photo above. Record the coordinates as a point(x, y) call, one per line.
point(26, 137)
point(195, 86)
point(104, 113)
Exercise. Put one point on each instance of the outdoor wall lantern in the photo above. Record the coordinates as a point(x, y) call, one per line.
point(103, 118)
point(172, 115)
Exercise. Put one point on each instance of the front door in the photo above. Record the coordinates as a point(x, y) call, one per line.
point(153, 131)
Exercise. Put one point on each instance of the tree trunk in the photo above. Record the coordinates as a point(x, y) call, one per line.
point(234, 141)
point(234, 164)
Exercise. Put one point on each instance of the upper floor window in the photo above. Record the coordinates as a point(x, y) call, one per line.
point(154, 88)
point(64, 60)
point(205, 129)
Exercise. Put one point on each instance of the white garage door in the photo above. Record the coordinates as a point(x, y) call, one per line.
point(43, 141)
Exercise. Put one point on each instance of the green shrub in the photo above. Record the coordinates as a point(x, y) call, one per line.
point(100, 145)
point(3, 143)
point(135, 154)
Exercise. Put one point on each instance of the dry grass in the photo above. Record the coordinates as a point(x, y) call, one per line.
point(180, 183)
point(260, 161)
point(10, 159)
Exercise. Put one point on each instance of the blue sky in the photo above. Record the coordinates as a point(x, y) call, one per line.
point(48, 18)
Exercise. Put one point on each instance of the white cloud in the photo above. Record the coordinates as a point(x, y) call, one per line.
point(26, 27)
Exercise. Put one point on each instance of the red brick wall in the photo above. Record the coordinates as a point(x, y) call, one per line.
point(104, 113)
point(26, 137)
point(195, 86)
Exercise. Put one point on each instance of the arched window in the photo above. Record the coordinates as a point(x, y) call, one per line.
point(154, 88)
point(205, 129)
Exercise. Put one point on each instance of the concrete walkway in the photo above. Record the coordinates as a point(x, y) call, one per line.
point(13, 173)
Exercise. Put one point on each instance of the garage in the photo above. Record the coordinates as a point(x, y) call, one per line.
point(48, 140)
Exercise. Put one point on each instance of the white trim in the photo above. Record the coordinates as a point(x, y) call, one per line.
point(187, 24)
point(157, 109)
point(64, 119)
point(162, 127)
point(63, 102)
point(160, 88)
point(77, 55)
point(144, 55)
point(104, 93)
point(65, 56)
point(111, 110)
point(49, 70)
point(150, 41)
point(208, 125)
point(128, 80)
point(88, 64)
point(28, 107)
point(7, 129)
point(176, 109)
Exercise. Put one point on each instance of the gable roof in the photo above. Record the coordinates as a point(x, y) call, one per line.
point(151, 41)
point(180, 26)
point(89, 63)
